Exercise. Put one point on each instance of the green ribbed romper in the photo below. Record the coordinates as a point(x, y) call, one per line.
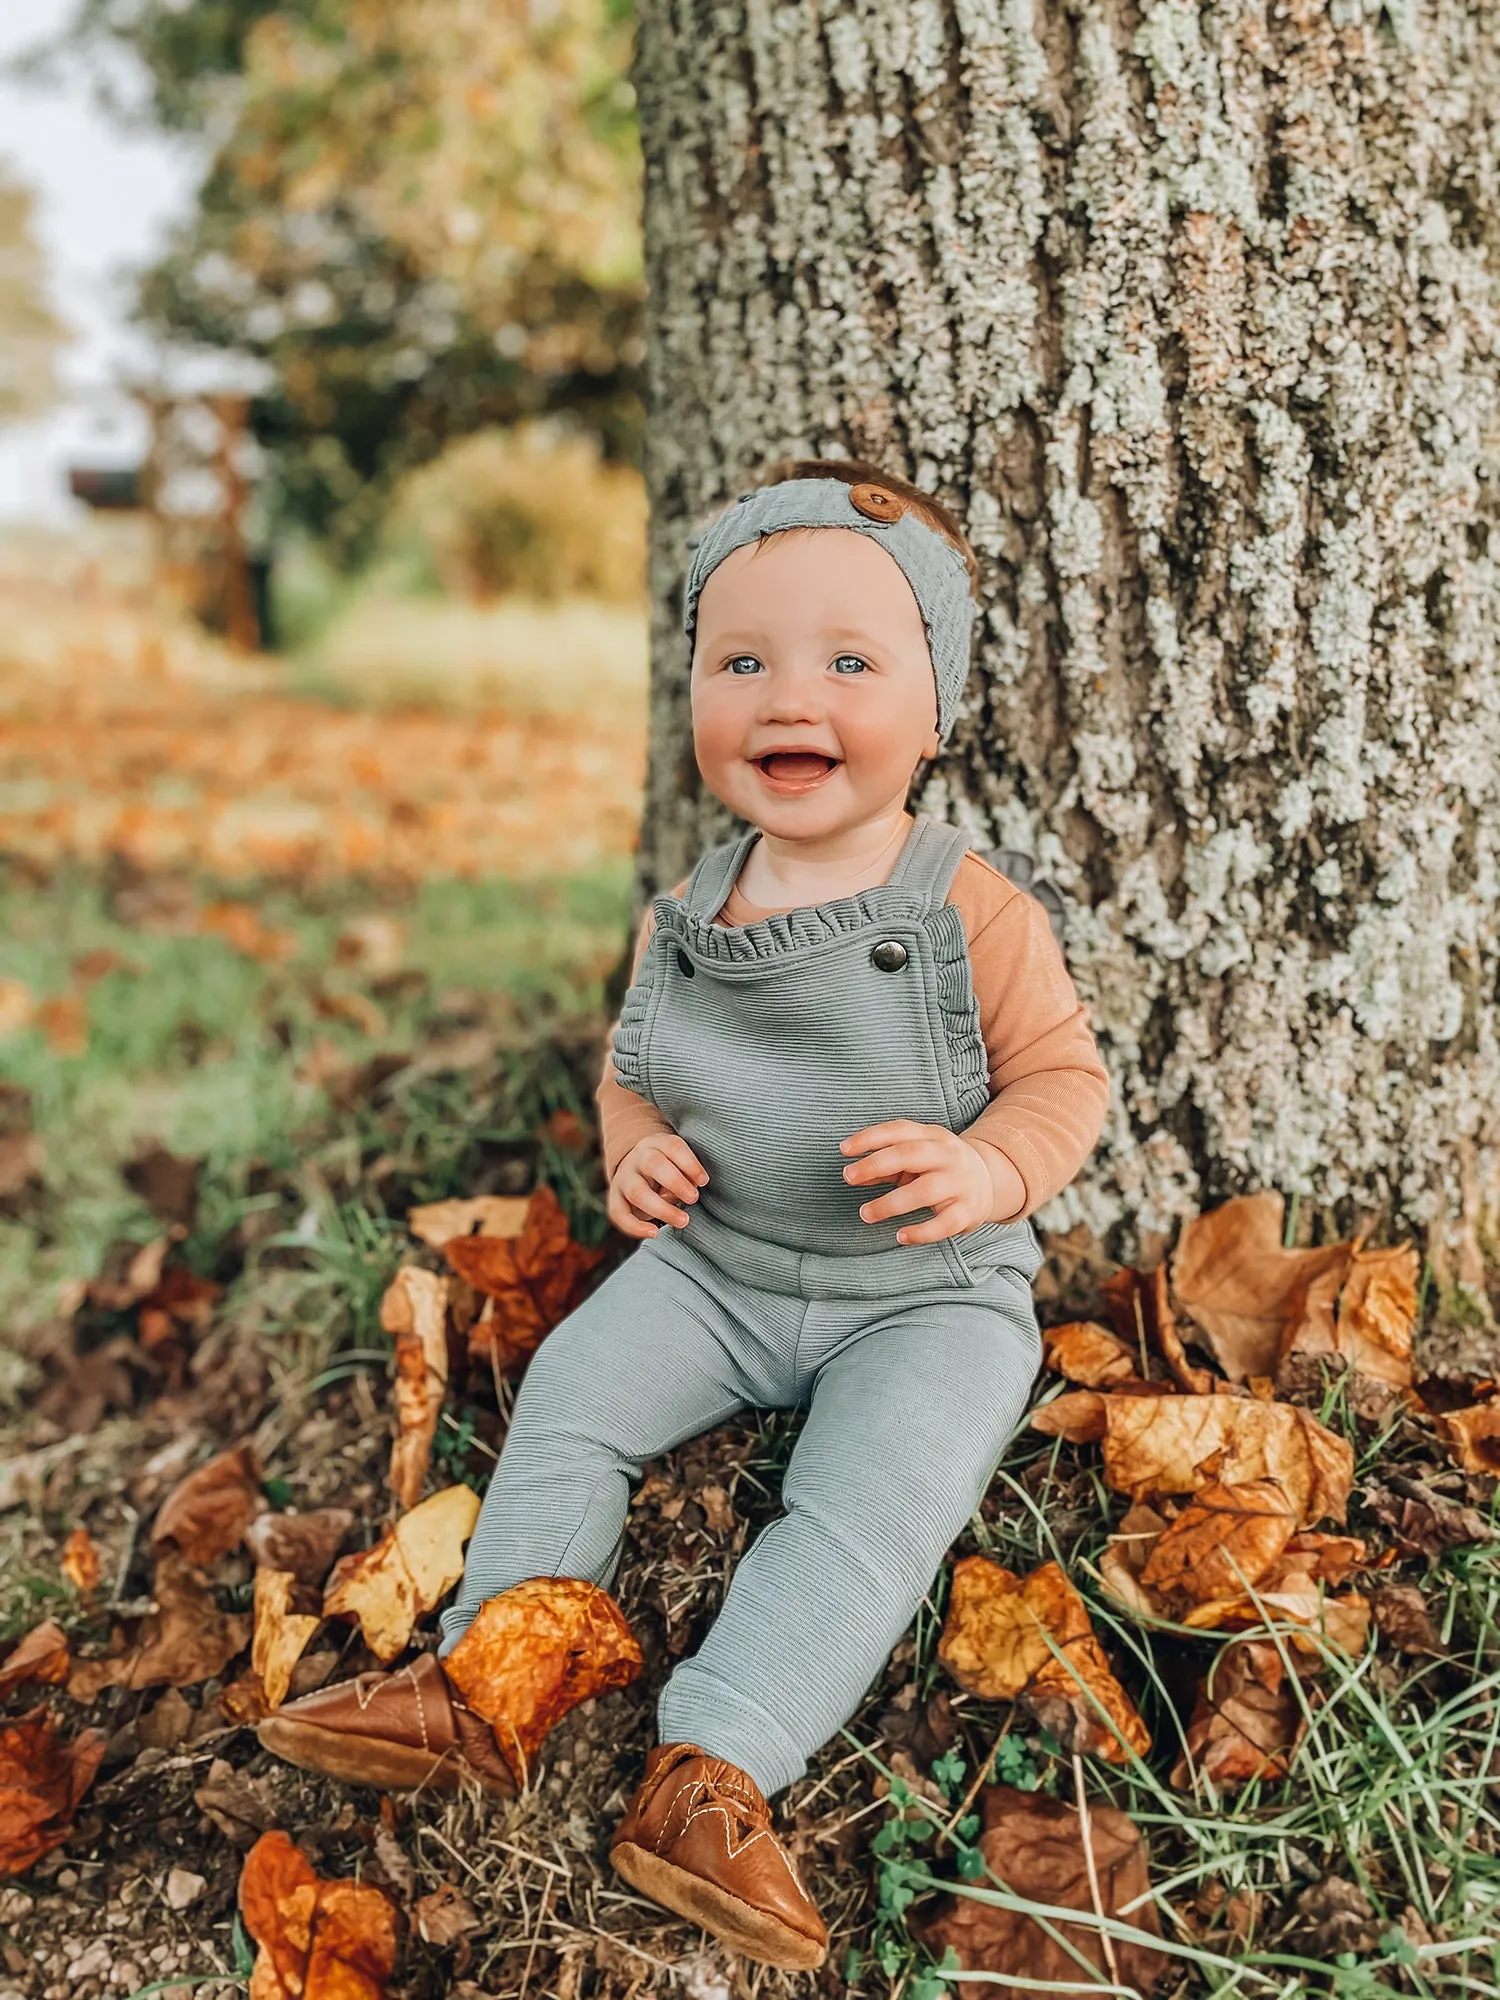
point(765, 1044)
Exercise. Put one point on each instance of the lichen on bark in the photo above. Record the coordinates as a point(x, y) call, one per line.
point(1191, 312)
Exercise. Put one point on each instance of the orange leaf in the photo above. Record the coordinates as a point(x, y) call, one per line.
point(534, 1280)
point(1245, 1290)
point(1247, 1721)
point(438, 1222)
point(64, 1021)
point(186, 1639)
point(207, 1513)
point(1179, 1444)
point(1473, 1436)
point(995, 1643)
point(1035, 1846)
point(388, 1587)
point(414, 1312)
point(536, 1651)
point(42, 1656)
point(80, 1561)
point(281, 1635)
point(42, 1780)
point(1377, 1316)
point(318, 1940)
point(1226, 1539)
point(1086, 1353)
point(1077, 1416)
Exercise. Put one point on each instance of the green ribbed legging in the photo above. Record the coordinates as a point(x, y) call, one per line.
point(910, 1403)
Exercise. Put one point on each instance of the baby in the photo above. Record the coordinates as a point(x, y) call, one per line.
point(850, 1065)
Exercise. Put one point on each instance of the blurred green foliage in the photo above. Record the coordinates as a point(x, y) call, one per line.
point(420, 215)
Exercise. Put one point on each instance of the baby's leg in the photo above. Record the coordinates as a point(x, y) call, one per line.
point(904, 1431)
point(648, 1360)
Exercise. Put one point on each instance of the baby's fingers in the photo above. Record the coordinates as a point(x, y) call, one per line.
point(923, 1192)
point(681, 1154)
point(643, 1197)
point(670, 1179)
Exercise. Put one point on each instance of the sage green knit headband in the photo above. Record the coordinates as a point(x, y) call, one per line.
point(937, 573)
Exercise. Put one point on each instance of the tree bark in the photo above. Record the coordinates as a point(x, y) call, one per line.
point(1190, 312)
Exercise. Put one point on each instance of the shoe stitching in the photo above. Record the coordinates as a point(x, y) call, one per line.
point(380, 1683)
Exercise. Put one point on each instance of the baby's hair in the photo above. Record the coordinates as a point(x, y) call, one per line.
point(859, 472)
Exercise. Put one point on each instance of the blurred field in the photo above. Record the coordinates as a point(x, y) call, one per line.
point(417, 739)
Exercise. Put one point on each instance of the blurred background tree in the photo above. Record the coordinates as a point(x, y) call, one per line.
point(420, 215)
point(30, 334)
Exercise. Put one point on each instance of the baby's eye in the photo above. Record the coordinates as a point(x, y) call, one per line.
point(850, 663)
point(742, 663)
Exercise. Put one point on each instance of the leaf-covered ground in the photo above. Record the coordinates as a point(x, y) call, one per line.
point(251, 1082)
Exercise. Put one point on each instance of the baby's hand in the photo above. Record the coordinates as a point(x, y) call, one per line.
point(964, 1181)
point(655, 1168)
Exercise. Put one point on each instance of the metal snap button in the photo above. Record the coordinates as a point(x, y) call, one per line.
point(888, 955)
point(876, 504)
point(687, 968)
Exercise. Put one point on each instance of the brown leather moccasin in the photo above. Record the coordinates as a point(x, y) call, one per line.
point(399, 1732)
point(698, 1840)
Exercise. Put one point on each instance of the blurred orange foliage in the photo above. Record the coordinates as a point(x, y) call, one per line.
point(123, 733)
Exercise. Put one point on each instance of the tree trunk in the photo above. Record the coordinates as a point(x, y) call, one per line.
point(1191, 314)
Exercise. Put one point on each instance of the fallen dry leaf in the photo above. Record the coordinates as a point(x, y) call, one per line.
point(22, 1158)
point(375, 941)
point(1247, 1721)
point(318, 1940)
point(444, 1916)
point(167, 1183)
point(1403, 1620)
point(241, 1807)
point(439, 1222)
point(17, 1006)
point(409, 1569)
point(207, 1513)
point(242, 928)
point(281, 1634)
point(64, 1020)
point(1077, 1416)
point(1341, 1622)
point(1193, 1381)
point(42, 1779)
point(1226, 1539)
point(1377, 1316)
point(1179, 1444)
point(305, 1544)
point(536, 1651)
point(1424, 1523)
point(186, 1639)
point(414, 1312)
point(1245, 1291)
point(1473, 1436)
point(1127, 1554)
point(1034, 1845)
point(42, 1656)
point(1088, 1354)
point(995, 1643)
point(80, 1561)
point(532, 1280)
point(142, 1275)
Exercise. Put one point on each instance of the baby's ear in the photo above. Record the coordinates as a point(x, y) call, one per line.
point(931, 747)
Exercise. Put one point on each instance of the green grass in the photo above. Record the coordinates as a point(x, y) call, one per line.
point(1392, 1790)
point(193, 1046)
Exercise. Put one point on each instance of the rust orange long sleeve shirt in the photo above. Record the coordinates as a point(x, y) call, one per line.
point(1048, 1088)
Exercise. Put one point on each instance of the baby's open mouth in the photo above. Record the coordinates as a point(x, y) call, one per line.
point(796, 769)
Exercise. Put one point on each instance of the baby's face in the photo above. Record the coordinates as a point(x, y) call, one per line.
point(812, 689)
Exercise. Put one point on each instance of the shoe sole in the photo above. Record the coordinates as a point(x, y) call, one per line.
point(366, 1760)
point(752, 1933)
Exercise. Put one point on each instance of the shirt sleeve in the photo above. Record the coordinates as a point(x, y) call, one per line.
point(1048, 1089)
point(624, 1118)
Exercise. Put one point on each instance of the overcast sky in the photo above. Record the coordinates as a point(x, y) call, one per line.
point(105, 200)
